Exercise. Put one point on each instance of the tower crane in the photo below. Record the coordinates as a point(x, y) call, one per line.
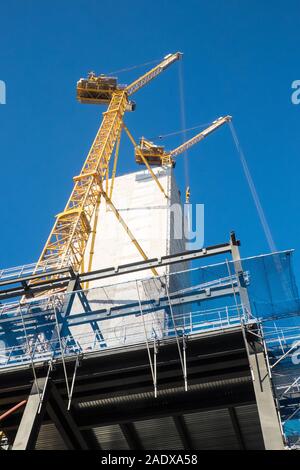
point(69, 236)
point(156, 155)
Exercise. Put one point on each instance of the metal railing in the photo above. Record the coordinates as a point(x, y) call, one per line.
point(35, 326)
point(18, 272)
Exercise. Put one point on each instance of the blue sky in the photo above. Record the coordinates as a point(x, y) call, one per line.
point(240, 58)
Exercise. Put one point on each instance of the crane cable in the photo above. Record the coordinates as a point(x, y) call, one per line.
point(266, 228)
point(259, 208)
point(171, 134)
point(133, 67)
point(183, 122)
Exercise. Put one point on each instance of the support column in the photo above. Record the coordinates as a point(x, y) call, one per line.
point(239, 274)
point(268, 416)
point(32, 417)
point(34, 412)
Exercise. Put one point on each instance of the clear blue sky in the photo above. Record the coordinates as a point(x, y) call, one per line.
point(240, 58)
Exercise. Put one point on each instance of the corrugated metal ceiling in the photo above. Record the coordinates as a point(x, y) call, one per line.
point(211, 430)
point(208, 430)
point(250, 427)
point(49, 438)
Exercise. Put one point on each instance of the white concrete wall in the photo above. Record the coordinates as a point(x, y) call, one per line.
point(146, 211)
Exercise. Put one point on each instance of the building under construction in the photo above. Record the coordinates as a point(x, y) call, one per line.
point(120, 338)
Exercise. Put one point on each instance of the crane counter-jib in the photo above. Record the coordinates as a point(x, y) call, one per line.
point(156, 155)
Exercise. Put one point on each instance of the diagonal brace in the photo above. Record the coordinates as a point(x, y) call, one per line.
point(145, 161)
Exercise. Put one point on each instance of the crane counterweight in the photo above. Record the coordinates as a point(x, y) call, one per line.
point(154, 154)
point(96, 89)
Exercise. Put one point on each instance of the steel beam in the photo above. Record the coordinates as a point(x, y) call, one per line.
point(89, 436)
point(102, 314)
point(133, 309)
point(156, 262)
point(237, 428)
point(64, 421)
point(20, 291)
point(59, 279)
point(183, 432)
point(131, 436)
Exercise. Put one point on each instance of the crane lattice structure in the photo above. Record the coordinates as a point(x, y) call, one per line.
point(70, 234)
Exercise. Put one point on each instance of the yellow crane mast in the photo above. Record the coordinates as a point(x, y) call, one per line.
point(68, 238)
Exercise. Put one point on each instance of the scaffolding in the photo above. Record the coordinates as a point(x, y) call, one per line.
point(256, 294)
